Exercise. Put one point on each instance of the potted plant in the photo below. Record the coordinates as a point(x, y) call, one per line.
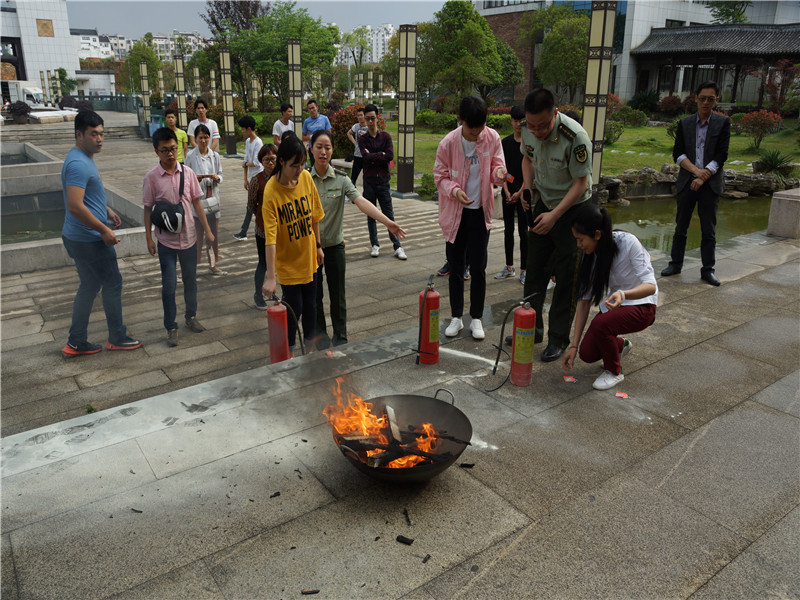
point(19, 111)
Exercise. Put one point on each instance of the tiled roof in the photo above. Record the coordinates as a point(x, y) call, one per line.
point(747, 40)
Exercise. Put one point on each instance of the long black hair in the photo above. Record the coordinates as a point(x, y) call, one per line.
point(593, 273)
point(291, 149)
point(317, 134)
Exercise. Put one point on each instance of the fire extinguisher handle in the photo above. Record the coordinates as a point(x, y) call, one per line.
point(430, 280)
point(452, 396)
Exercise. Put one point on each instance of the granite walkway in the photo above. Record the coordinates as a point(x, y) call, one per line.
point(230, 486)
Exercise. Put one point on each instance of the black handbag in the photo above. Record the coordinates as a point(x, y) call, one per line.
point(168, 216)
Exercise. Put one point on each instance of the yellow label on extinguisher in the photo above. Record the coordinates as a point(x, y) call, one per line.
point(523, 346)
point(433, 327)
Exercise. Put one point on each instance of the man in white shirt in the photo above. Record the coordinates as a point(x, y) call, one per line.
point(283, 124)
point(353, 134)
point(250, 165)
point(201, 108)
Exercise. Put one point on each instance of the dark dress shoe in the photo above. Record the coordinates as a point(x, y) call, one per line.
point(670, 270)
point(552, 352)
point(710, 278)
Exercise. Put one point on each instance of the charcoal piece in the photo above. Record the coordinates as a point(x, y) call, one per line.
point(408, 519)
point(426, 559)
point(404, 540)
point(309, 592)
point(466, 465)
point(275, 495)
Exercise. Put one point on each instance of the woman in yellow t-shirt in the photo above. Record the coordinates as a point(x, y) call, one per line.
point(292, 211)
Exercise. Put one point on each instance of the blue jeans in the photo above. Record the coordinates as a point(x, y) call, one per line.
point(379, 192)
point(168, 258)
point(97, 268)
point(246, 223)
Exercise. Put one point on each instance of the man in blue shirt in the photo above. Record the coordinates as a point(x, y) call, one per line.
point(90, 241)
point(315, 122)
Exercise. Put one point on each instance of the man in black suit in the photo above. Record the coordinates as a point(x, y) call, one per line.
point(701, 149)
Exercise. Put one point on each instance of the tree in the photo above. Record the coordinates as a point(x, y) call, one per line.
point(779, 81)
point(464, 50)
point(142, 50)
point(227, 19)
point(67, 84)
point(534, 25)
point(510, 73)
point(729, 11)
point(562, 61)
point(358, 43)
point(264, 48)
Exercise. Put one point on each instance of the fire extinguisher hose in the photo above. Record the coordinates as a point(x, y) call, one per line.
point(499, 346)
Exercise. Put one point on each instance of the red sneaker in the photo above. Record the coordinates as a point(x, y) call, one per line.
point(80, 348)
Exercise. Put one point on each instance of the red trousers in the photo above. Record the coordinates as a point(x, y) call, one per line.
point(602, 339)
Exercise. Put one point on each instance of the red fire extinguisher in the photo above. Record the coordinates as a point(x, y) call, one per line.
point(428, 347)
point(522, 345)
point(278, 336)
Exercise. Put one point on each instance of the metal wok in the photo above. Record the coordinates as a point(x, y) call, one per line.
point(410, 412)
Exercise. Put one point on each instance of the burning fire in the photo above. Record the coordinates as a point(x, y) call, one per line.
point(353, 421)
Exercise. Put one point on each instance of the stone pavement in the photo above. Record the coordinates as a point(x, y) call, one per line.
point(233, 488)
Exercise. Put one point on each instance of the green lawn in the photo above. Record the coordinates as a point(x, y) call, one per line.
point(638, 147)
point(641, 147)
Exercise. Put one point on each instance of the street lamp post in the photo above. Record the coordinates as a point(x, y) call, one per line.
point(598, 76)
point(196, 74)
point(370, 83)
point(254, 92)
point(295, 85)
point(145, 96)
point(227, 102)
point(180, 90)
point(213, 87)
point(407, 100)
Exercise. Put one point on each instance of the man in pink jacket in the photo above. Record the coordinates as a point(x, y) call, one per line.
point(468, 161)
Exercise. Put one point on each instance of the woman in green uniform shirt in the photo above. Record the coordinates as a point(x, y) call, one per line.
point(334, 190)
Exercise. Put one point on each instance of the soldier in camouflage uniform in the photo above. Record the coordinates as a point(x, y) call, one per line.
point(557, 166)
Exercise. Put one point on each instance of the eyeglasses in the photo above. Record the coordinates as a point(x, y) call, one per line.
point(370, 118)
point(173, 150)
point(705, 99)
point(536, 128)
point(269, 159)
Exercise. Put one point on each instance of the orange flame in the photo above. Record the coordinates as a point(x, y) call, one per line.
point(354, 417)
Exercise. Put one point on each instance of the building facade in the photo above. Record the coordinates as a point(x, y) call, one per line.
point(636, 19)
point(36, 38)
point(89, 44)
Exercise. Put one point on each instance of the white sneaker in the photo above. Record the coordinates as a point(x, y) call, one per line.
point(607, 380)
point(476, 327)
point(376, 252)
point(626, 348)
point(400, 253)
point(455, 326)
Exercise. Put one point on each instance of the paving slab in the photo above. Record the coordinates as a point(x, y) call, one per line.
point(79, 480)
point(669, 550)
point(777, 330)
point(742, 469)
point(766, 569)
point(783, 395)
point(452, 517)
point(567, 450)
point(9, 588)
point(191, 581)
point(694, 386)
point(119, 542)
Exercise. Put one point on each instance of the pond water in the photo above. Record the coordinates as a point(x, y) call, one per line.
point(653, 220)
point(20, 225)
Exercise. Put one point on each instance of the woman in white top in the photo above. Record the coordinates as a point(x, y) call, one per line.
point(615, 262)
point(207, 165)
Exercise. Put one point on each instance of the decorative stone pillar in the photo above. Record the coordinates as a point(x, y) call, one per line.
point(180, 91)
point(227, 102)
point(295, 85)
point(598, 77)
point(407, 106)
point(213, 87)
point(196, 74)
point(145, 83)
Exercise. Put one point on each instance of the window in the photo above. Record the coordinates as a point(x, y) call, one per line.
point(674, 23)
